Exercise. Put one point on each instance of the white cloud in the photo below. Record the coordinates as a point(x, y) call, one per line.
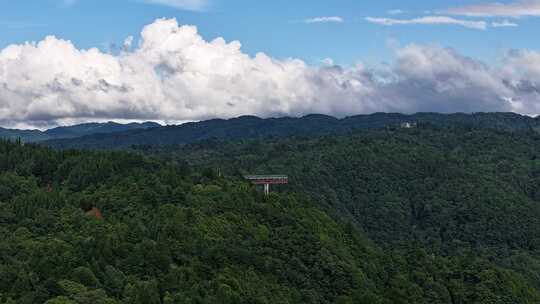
point(504, 23)
point(513, 9)
point(194, 5)
point(431, 78)
point(430, 20)
point(332, 19)
point(173, 74)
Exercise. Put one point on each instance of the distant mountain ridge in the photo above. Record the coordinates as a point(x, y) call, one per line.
point(73, 131)
point(249, 127)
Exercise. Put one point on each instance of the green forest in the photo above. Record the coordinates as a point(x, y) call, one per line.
point(385, 216)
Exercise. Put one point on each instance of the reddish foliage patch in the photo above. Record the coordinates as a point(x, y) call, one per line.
point(95, 212)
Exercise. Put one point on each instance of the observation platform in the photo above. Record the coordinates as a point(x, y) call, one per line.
point(267, 180)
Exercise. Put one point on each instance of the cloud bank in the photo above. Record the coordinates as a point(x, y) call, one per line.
point(514, 9)
point(174, 74)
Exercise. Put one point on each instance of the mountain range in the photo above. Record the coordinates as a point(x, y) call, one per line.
point(72, 131)
point(250, 127)
point(118, 136)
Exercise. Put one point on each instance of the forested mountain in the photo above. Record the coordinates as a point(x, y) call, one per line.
point(452, 192)
point(104, 227)
point(72, 131)
point(249, 127)
point(24, 135)
point(97, 128)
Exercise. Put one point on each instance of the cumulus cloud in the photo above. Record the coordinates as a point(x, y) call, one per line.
point(332, 19)
point(195, 5)
point(513, 9)
point(430, 20)
point(521, 72)
point(431, 78)
point(173, 74)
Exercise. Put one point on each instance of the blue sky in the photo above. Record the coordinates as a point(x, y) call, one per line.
point(191, 60)
point(275, 27)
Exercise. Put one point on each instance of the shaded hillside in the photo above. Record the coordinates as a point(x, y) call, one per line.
point(173, 233)
point(97, 128)
point(24, 135)
point(72, 131)
point(249, 127)
point(450, 190)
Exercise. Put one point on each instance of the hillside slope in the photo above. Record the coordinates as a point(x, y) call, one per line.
point(173, 233)
point(72, 131)
point(448, 190)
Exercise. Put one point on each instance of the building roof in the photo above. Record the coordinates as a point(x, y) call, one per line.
point(258, 177)
point(267, 179)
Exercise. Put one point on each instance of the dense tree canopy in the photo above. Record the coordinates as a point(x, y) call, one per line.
point(451, 192)
point(415, 216)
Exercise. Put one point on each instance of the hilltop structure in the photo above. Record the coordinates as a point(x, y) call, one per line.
point(267, 180)
point(408, 125)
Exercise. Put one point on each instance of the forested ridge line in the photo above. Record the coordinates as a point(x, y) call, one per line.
point(251, 127)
